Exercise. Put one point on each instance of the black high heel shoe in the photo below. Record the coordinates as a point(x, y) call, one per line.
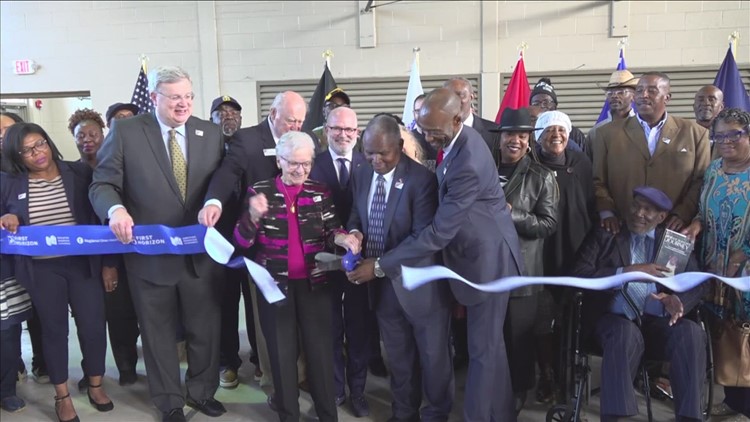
point(59, 400)
point(106, 407)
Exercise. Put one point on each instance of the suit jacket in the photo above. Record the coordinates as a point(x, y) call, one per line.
point(622, 162)
point(251, 158)
point(492, 139)
point(134, 170)
point(411, 205)
point(76, 178)
point(325, 172)
point(472, 225)
point(602, 253)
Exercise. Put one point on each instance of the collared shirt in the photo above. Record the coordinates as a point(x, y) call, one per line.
point(181, 137)
point(374, 185)
point(652, 133)
point(653, 306)
point(337, 166)
point(273, 132)
point(469, 120)
point(447, 150)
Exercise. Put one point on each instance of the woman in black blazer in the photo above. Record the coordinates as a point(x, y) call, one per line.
point(39, 188)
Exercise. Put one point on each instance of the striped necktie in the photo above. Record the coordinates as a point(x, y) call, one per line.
point(376, 232)
point(638, 291)
point(179, 167)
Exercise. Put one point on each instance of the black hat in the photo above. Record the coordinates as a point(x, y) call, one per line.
point(338, 92)
point(226, 99)
point(544, 86)
point(655, 196)
point(513, 120)
point(114, 108)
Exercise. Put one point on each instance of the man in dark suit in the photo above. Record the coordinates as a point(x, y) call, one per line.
point(662, 334)
point(414, 324)
point(155, 169)
point(463, 88)
point(473, 229)
point(351, 319)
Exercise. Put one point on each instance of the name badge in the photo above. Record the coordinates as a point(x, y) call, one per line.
point(22, 195)
point(198, 132)
point(269, 152)
point(317, 198)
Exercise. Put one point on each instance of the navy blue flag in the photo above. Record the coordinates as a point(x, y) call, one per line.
point(604, 115)
point(729, 81)
point(314, 116)
point(140, 94)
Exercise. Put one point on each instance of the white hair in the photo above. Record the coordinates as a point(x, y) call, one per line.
point(552, 118)
point(292, 141)
point(166, 75)
point(282, 97)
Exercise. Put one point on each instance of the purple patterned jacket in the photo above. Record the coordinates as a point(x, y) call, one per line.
point(318, 225)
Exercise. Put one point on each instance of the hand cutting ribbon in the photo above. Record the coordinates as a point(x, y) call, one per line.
point(147, 240)
point(415, 277)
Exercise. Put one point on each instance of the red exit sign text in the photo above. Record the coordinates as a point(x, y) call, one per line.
point(24, 67)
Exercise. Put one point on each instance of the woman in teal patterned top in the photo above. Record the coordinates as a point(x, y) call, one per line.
point(724, 219)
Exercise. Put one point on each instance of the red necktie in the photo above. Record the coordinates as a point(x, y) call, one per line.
point(440, 156)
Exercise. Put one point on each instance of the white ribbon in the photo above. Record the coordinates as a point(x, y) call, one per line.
point(415, 277)
point(220, 250)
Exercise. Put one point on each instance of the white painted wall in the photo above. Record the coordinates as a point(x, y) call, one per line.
point(229, 46)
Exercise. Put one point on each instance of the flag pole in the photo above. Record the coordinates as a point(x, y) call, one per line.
point(522, 48)
point(144, 60)
point(328, 54)
point(733, 38)
point(416, 51)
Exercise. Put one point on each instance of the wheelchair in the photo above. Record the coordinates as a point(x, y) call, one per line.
point(575, 371)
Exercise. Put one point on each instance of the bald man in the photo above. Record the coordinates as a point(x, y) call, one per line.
point(465, 91)
point(473, 231)
point(252, 153)
point(708, 102)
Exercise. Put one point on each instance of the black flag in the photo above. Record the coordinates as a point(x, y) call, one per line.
point(314, 116)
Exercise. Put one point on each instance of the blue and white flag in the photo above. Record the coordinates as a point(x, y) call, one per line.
point(412, 92)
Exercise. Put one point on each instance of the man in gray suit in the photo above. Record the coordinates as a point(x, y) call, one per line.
point(414, 325)
point(473, 229)
point(155, 169)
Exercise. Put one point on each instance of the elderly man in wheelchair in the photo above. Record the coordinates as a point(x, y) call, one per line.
point(647, 319)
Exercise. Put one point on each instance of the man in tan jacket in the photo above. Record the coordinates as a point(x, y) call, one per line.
point(651, 148)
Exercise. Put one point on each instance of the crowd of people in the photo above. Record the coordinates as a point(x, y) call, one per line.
point(532, 195)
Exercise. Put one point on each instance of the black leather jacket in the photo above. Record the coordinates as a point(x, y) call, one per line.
point(533, 195)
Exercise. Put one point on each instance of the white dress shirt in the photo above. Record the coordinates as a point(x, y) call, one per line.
point(469, 120)
point(336, 165)
point(447, 150)
point(374, 185)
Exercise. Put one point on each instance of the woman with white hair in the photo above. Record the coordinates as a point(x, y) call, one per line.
point(575, 216)
point(289, 219)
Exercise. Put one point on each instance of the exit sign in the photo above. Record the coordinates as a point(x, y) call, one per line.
point(24, 67)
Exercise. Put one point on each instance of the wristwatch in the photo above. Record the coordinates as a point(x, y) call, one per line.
point(379, 273)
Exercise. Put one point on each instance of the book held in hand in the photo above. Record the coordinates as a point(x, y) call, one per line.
point(674, 252)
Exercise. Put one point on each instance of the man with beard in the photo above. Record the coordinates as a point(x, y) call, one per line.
point(619, 92)
point(227, 113)
point(352, 318)
point(708, 103)
point(651, 148)
point(473, 230)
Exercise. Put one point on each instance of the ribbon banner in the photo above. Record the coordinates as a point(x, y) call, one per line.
point(147, 240)
point(415, 277)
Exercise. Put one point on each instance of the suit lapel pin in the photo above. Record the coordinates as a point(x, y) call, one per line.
point(400, 184)
point(666, 140)
point(22, 195)
point(198, 132)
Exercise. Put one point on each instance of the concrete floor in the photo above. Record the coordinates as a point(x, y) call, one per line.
point(245, 403)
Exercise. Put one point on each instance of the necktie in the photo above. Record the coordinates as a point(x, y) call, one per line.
point(376, 233)
point(439, 157)
point(639, 292)
point(179, 167)
point(343, 172)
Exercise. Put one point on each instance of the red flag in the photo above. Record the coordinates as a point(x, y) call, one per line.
point(518, 92)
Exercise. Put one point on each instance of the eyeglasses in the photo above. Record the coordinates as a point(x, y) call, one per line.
point(542, 103)
point(177, 98)
point(39, 145)
point(347, 130)
point(617, 92)
point(307, 165)
point(727, 137)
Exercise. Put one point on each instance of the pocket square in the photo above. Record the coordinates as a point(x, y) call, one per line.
point(666, 140)
point(684, 150)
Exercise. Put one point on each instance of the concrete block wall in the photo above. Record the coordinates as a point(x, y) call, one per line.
point(229, 46)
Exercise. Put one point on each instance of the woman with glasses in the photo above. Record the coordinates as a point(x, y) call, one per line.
point(724, 221)
point(289, 219)
point(40, 189)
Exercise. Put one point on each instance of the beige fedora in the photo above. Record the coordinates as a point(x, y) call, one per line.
point(620, 79)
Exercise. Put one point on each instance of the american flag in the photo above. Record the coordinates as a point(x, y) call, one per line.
point(140, 94)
